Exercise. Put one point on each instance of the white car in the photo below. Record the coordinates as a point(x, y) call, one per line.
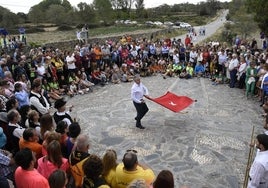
point(149, 23)
point(168, 23)
point(127, 22)
point(158, 23)
point(185, 25)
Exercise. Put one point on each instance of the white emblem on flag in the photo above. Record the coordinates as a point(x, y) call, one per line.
point(171, 103)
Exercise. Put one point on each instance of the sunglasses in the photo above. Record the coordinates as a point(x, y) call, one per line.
point(132, 150)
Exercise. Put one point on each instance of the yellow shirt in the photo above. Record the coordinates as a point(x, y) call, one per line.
point(124, 178)
point(110, 178)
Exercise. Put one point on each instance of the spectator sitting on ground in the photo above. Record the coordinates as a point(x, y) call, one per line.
point(199, 69)
point(93, 168)
point(53, 160)
point(82, 83)
point(218, 79)
point(78, 157)
point(109, 161)
point(127, 76)
point(131, 169)
point(98, 77)
point(169, 70)
point(54, 86)
point(64, 86)
point(30, 140)
point(48, 91)
point(73, 90)
point(26, 175)
point(116, 76)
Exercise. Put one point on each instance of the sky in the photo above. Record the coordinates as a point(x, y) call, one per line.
point(25, 5)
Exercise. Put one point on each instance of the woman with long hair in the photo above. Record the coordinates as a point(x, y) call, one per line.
point(53, 160)
point(46, 124)
point(109, 161)
point(164, 179)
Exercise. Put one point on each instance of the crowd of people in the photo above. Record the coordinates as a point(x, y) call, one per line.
point(44, 149)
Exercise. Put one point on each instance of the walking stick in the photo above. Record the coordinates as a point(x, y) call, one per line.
point(250, 155)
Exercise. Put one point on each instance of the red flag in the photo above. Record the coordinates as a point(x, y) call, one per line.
point(173, 102)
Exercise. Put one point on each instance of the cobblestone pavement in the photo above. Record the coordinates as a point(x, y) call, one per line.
point(204, 146)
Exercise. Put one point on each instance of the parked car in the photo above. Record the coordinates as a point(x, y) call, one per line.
point(127, 22)
point(149, 23)
point(158, 23)
point(168, 23)
point(185, 25)
point(177, 25)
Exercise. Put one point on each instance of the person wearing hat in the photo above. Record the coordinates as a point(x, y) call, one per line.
point(131, 169)
point(258, 174)
point(61, 114)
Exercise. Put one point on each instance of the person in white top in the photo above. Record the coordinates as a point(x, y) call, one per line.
point(222, 58)
point(138, 90)
point(258, 173)
point(233, 65)
point(70, 62)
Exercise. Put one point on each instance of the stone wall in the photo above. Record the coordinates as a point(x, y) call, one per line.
point(68, 45)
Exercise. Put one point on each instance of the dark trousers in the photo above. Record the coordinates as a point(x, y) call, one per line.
point(141, 109)
point(233, 78)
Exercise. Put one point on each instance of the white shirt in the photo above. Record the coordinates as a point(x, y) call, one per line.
point(41, 70)
point(242, 68)
point(36, 103)
point(138, 91)
point(18, 132)
point(222, 58)
point(193, 56)
point(68, 121)
point(259, 171)
point(70, 62)
point(233, 64)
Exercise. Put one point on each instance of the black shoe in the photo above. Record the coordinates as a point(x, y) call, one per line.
point(135, 118)
point(140, 127)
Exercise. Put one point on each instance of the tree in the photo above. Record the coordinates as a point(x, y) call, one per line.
point(36, 14)
point(67, 5)
point(260, 9)
point(139, 8)
point(56, 14)
point(85, 13)
point(123, 5)
point(104, 10)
